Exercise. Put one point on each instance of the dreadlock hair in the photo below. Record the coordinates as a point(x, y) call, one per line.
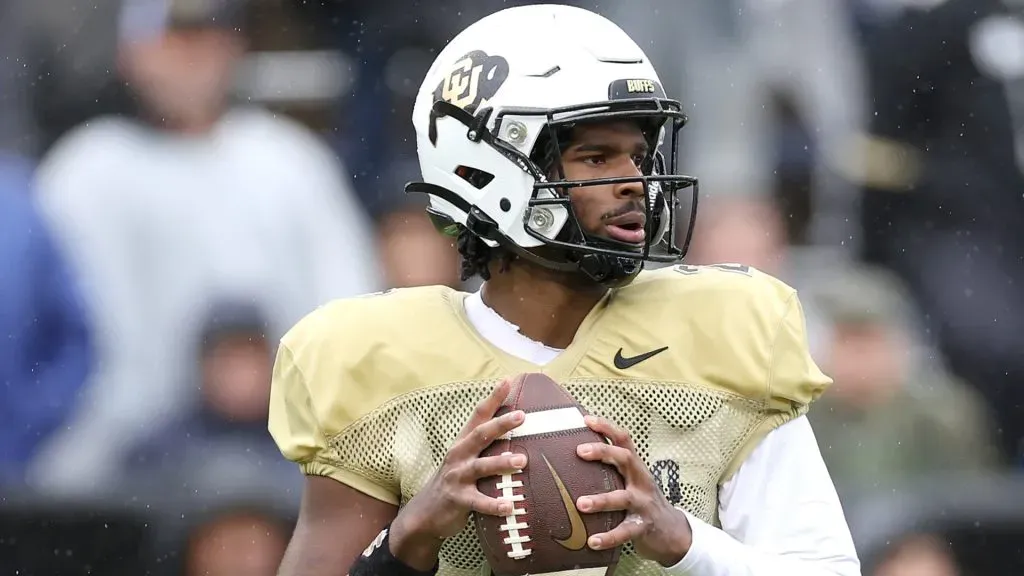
point(477, 255)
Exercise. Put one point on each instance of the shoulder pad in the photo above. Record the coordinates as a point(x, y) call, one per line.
point(744, 328)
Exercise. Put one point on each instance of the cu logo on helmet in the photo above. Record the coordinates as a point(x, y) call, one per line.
point(473, 80)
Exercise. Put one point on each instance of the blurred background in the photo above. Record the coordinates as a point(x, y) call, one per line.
point(181, 181)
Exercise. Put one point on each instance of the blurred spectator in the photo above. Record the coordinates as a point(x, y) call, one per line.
point(222, 445)
point(891, 416)
point(244, 542)
point(730, 62)
point(45, 356)
point(747, 230)
point(199, 199)
point(412, 251)
point(943, 186)
point(919, 555)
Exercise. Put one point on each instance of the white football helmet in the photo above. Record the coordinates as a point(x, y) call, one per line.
point(489, 118)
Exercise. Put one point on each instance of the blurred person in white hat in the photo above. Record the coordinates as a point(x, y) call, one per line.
point(200, 197)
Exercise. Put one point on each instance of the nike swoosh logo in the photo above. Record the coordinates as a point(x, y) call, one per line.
point(621, 362)
point(578, 536)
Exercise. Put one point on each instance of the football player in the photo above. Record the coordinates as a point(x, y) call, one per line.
point(547, 146)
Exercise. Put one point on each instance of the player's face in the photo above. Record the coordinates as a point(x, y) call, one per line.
point(610, 150)
point(182, 76)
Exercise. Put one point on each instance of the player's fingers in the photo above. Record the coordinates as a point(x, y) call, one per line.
point(630, 528)
point(483, 435)
point(607, 502)
point(625, 461)
point(487, 407)
point(507, 463)
point(615, 455)
point(617, 435)
point(479, 502)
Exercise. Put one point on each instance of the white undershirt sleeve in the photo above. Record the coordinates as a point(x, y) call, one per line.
point(780, 516)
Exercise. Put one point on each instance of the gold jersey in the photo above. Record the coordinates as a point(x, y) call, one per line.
point(371, 391)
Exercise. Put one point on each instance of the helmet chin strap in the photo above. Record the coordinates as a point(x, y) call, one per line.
point(609, 271)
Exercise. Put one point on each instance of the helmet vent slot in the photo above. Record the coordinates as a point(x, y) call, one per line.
point(476, 177)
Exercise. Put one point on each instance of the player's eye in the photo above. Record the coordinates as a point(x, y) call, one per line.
point(595, 160)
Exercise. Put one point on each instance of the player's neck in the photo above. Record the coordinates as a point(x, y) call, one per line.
point(547, 308)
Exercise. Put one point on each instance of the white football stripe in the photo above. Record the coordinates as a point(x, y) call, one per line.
point(548, 421)
point(581, 572)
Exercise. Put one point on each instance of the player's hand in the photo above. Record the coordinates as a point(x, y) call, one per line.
point(442, 508)
point(659, 531)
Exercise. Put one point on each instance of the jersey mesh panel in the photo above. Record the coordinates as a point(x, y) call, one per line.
point(686, 435)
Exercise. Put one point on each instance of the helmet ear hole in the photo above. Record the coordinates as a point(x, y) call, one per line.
point(476, 177)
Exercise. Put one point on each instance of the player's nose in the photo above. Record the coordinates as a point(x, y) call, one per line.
point(630, 189)
point(628, 168)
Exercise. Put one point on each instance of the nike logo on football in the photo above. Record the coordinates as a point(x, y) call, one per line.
point(622, 362)
point(578, 530)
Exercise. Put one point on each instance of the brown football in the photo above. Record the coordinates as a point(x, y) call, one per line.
point(546, 533)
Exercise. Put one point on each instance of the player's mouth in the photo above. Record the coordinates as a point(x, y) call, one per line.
point(628, 228)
